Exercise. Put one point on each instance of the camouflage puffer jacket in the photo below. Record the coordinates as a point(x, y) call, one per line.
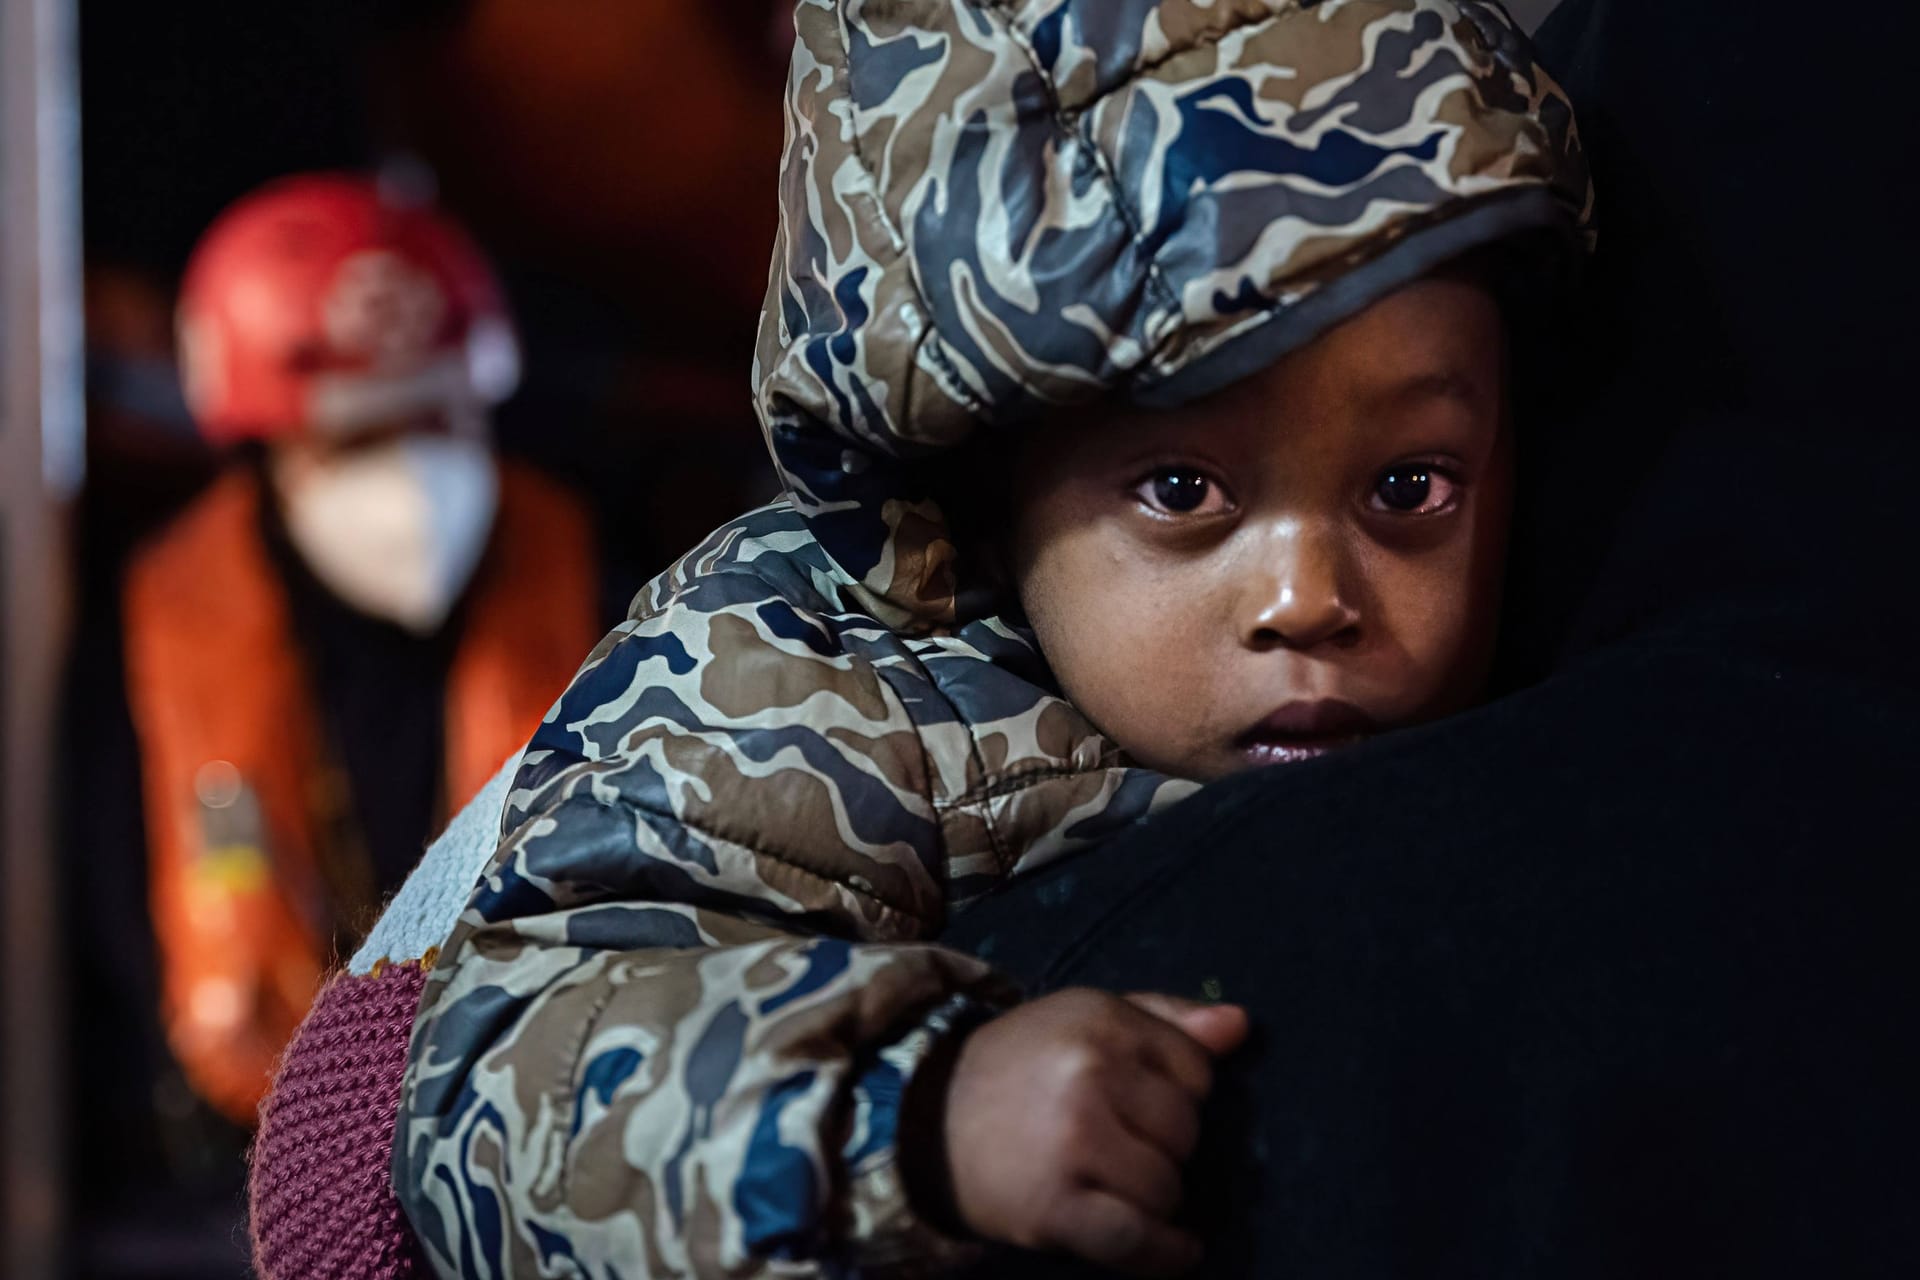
point(671, 1032)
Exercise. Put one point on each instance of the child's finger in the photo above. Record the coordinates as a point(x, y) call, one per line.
point(1138, 1172)
point(1169, 1048)
point(1222, 1028)
point(1219, 1028)
point(1107, 1231)
point(1166, 1117)
point(1164, 1007)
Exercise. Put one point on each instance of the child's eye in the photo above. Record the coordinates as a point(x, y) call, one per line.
point(1181, 491)
point(1414, 489)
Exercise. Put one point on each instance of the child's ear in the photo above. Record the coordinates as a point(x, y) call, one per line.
point(976, 496)
point(988, 584)
point(995, 556)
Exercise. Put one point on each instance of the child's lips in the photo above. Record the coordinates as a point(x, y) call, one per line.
point(1305, 730)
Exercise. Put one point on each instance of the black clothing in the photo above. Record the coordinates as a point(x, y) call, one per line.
point(381, 692)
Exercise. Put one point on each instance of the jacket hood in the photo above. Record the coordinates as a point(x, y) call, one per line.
point(990, 208)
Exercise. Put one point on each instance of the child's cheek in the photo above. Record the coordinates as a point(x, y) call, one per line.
point(1440, 615)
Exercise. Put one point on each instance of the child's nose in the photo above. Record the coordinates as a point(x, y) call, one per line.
point(1297, 599)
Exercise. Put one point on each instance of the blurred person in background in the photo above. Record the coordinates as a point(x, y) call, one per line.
point(634, 257)
point(327, 651)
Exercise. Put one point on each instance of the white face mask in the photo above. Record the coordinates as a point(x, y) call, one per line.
point(395, 529)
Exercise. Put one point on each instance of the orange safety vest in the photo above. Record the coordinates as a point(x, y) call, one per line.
point(251, 897)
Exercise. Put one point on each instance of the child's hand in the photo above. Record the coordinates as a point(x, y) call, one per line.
point(1068, 1120)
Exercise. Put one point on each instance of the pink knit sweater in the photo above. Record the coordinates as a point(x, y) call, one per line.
point(321, 1187)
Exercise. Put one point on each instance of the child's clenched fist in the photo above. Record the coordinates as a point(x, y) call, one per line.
point(1068, 1121)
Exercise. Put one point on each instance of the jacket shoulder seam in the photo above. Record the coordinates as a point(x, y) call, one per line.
point(569, 1086)
point(1071, 122)
point(1003, 859)
point(1014, 781)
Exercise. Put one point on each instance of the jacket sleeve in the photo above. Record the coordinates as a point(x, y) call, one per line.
point(671, 1034)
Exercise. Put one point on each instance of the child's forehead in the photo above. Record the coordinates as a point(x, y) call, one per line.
point(1434, 368)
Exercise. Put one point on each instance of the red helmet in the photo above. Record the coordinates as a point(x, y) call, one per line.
point(321, 304)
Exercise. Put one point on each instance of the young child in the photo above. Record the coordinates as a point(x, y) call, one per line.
point(1173, 291)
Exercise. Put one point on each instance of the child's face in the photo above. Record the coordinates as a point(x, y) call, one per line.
point(1311, 556)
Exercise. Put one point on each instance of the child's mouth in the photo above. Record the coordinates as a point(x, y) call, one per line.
point(1304, 730)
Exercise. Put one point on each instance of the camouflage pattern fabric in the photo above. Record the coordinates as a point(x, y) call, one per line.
point(672, 1029)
